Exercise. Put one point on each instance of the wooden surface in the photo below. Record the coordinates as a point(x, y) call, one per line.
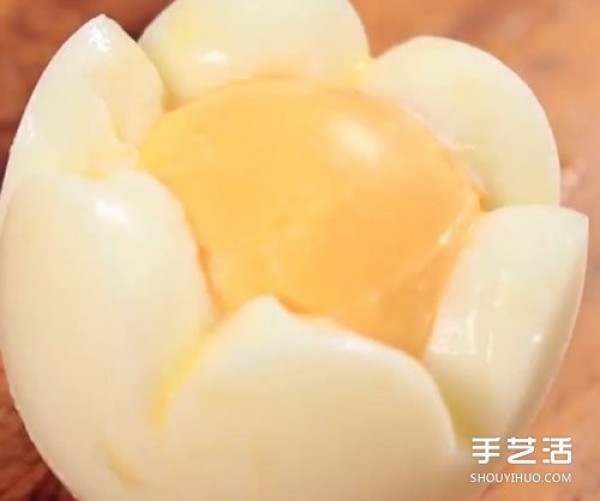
point(553, 44)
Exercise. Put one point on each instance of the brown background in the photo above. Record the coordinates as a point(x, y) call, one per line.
point(553, 44)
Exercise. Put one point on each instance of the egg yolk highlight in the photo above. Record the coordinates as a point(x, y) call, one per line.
point(339, 204)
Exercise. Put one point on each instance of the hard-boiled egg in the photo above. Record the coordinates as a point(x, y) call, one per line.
point(245, 260)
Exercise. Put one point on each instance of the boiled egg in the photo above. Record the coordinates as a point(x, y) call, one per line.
point(244, 259)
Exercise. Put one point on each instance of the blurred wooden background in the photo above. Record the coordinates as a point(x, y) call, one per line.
point(553, 44)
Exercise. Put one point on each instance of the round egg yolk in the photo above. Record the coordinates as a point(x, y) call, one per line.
point(337, 203)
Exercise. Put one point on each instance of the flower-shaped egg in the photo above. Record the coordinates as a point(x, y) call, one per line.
point(246, 260)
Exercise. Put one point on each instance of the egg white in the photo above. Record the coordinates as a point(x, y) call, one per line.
point(91, 109)
point(506, 316)
point(108, 333)
point(487, 115)
point(199, 44)
point(299, 410)
point(100, 289)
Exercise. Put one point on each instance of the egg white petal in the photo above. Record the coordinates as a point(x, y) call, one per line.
point(99, 288)
point(482, 109)
point(101, 295)
point(282, 407)
point(199, 44)
point(91, 108)
point(507, 315)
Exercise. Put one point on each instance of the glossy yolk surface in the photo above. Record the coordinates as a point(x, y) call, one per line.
point(337, 203)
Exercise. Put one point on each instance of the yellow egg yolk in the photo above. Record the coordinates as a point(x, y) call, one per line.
point(337, 203)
